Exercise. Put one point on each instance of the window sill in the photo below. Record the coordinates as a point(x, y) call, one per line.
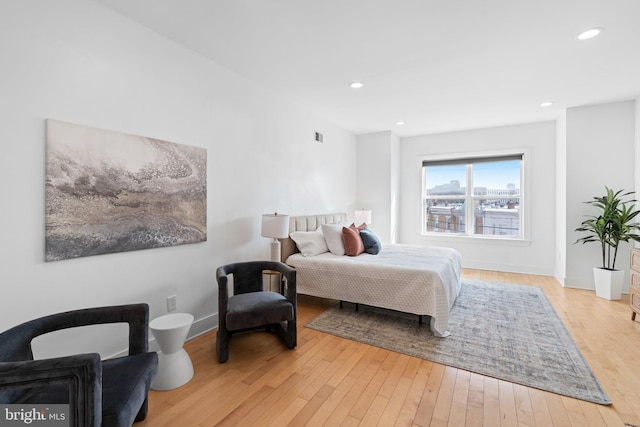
point(441, 237)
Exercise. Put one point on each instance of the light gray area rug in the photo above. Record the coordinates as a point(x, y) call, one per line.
point(509, 332)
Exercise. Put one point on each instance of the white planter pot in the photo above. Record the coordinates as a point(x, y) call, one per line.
point(608, 283)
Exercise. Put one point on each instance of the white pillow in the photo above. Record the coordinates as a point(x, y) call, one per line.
point(309, 243)
point(333, 236)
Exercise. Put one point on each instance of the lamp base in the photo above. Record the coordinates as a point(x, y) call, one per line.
point(275, 250)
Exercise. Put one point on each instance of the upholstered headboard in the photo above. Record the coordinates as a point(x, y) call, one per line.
point(306, 223)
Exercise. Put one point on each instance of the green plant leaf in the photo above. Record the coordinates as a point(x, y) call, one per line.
point(614, 223)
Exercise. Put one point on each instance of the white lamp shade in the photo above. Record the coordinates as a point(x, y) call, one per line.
point(275, 226)
point(362, 216)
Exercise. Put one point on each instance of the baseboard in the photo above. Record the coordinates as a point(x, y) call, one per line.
point(586, 283)
point(202, 326)
point(199, 327)
point(579, 282)
point(508, 268)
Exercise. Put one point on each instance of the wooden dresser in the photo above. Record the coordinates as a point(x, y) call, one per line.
point(634, 286)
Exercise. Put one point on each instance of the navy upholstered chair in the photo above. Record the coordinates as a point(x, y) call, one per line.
point(104, 393)
point(250, 307)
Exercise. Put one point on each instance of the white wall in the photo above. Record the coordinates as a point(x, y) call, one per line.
point(378, 182)
point(534, 256)
point(637, 152)
point(394, 197)
point(561, 198)
point(80, 62)
point(600, 152)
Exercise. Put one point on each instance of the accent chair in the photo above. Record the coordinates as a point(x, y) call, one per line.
point(250, 307)
point(107, 393)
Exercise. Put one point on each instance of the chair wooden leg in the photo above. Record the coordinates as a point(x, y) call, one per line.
point(633, 315)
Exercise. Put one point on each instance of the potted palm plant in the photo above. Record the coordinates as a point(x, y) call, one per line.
point(614, 223)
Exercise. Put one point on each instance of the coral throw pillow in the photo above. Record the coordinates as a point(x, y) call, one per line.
point(353, 245)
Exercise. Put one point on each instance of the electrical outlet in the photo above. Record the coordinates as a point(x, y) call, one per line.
point(171, 303)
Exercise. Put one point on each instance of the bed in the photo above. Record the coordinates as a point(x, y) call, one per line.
point(421, 280)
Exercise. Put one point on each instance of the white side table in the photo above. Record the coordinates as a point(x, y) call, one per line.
point(174, 365)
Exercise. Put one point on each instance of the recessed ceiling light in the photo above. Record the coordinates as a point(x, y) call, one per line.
point(399, 123)
point(546, 104)
point(356, 85)
point(589, 34)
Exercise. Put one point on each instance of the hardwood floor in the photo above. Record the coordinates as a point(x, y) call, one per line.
point(332, 381)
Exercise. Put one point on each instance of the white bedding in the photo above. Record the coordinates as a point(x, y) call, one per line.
point(421, 280)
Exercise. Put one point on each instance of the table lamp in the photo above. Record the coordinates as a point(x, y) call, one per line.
point(362, 216)
point(275, 226)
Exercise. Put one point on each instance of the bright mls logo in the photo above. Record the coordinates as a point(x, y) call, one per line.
point(34, 415)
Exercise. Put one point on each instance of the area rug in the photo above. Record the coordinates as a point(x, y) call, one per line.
point(509, 332)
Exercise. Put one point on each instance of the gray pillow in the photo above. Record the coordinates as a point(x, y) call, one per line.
point(371, 242)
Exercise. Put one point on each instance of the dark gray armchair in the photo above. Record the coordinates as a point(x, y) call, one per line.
point(250, 307)
point(104, 393)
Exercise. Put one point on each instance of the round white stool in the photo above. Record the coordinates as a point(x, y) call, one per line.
point(174, 365)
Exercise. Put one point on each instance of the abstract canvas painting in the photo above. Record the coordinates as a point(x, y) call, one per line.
point(112, 192)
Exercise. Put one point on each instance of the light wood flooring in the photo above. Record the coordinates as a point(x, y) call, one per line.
point(332, 381)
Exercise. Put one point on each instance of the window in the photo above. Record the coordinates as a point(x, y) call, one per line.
point(477, 196)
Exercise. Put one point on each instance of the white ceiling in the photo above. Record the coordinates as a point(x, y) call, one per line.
point(439, 65)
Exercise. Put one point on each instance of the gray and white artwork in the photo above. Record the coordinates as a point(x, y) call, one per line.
point(111, 192)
